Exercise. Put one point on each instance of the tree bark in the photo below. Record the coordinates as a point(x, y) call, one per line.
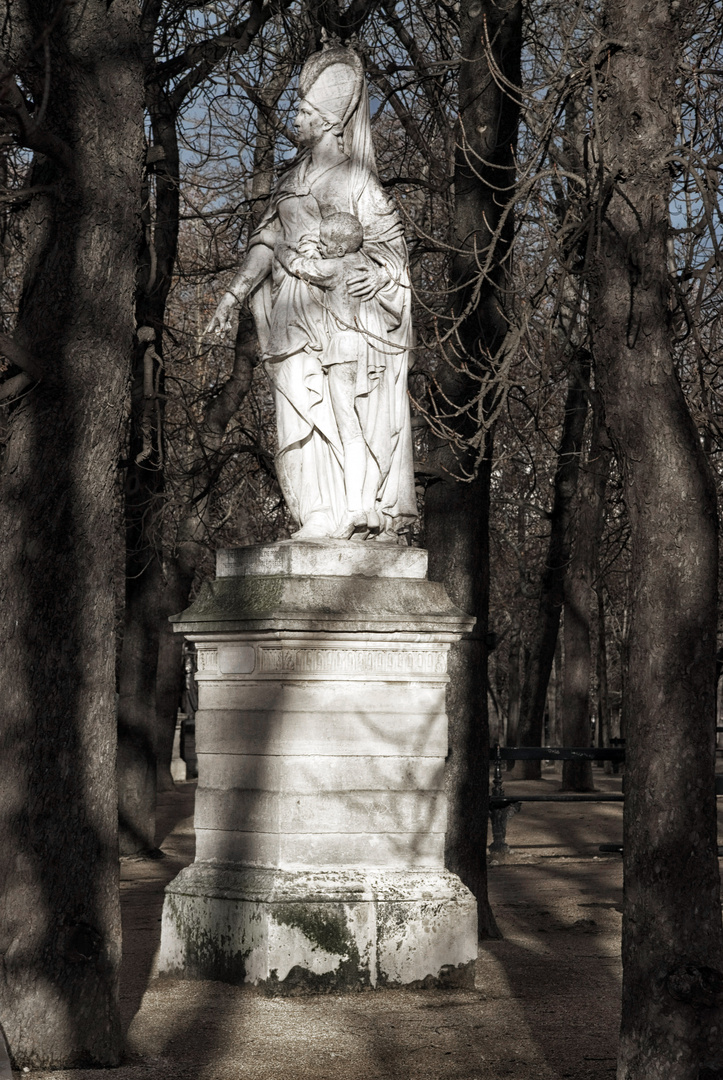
point(542, 650)
point(604, 717)
point(672, 948)
point(579, 593)
point(513, 686)
point(554, 697)
point(457, 513)
point(60, 936)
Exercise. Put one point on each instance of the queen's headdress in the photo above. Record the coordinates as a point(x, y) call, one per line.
point(332, 81)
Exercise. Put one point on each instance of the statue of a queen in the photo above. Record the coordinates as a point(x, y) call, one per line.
point(333, 318)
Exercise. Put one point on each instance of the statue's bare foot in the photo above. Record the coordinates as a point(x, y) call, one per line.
point(349, 525)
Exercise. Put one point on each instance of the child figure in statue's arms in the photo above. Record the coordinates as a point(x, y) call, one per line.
point(340, 239)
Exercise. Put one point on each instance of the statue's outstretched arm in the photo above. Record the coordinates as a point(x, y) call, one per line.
point(255, 267)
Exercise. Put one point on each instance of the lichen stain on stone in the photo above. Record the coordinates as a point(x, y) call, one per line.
point(207, 954)
point(325, 928)
point(248, 595)
point(237, 597)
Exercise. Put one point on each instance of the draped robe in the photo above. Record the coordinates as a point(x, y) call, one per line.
point(294, 329)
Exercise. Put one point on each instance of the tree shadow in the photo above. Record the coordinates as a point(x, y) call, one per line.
point(143, 882)
point(559, 903)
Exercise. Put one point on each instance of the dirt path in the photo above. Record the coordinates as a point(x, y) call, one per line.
point(545, 1005)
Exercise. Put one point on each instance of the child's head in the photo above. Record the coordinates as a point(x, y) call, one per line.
point(340, 234)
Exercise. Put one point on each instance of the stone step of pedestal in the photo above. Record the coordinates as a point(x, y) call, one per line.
point(327, 605)
point(406, 697)
point(291, 931)
point(226, 731)
point(402, 850)
point(316, 773)
point(340, 558)
point(352, 811)
point(322, 735)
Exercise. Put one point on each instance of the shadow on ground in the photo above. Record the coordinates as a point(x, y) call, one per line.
point(545, 1006)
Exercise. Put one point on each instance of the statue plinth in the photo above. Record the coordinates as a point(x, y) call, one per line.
point(321, 736)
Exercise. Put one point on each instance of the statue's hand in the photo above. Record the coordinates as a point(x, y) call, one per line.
point(220, 324)
point(267, 237)
point(366, 283)
point(308, 246)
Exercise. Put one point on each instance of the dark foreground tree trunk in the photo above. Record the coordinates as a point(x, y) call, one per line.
point(547, 625)
point(672, 1008)
point(60, 938)
point(457, 514)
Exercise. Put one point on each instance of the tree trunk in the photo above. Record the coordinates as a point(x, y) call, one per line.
point(554, 698)
point(542, 651)
point(136, 761)
point(457, 514)
point(60, 936)
point(672, 949)
point(579, 592)
point(514, 687)
point(459, 557)
point(604, 718)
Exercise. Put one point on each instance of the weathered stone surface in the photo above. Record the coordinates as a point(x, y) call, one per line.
point(343, 811)
point(266, 772)
point(262, 849)
point(321, 735)
point(323, 603)
point(313, 931)
point(358, 731)
point(313, 558)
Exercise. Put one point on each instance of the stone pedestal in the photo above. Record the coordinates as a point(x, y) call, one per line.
point(321, 735)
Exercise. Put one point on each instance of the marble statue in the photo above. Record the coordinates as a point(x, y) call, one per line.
point(327, 280)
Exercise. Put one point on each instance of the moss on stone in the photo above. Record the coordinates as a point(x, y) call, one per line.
point(320, 923)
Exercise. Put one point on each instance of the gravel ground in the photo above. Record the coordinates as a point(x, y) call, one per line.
point(545, 1004)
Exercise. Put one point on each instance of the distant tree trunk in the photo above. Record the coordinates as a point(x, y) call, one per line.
point(554, 697)
point(542, 651)
point(579, 592)
point(60, 936)
point(605, 729)
point(514, 686)
point(456, 513)
point(672, 948)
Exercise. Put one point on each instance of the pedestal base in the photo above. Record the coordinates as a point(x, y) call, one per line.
point(290, 931)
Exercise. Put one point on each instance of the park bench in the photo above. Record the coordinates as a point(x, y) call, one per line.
point(502, 806)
